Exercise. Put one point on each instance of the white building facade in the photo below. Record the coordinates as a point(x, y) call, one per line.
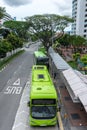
point(79, 14)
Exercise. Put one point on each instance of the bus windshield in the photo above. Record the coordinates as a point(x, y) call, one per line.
point(43, 112)
point(42, 60)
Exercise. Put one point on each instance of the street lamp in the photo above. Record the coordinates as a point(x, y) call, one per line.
point(52, 30)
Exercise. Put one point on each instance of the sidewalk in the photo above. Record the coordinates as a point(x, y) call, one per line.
point(76, 116)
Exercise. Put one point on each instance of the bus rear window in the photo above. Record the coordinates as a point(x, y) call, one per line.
point(39, 67)
point(44, 59)
point(43, 101)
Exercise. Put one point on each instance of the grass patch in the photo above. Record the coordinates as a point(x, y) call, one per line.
point(5, 61)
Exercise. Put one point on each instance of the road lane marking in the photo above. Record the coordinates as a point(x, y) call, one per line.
point(4, 68)
point(19, 125)
point(22, 112)
point(13, 90)
point(17, 82)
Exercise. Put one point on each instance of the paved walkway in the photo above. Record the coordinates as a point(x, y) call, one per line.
point(73, 115)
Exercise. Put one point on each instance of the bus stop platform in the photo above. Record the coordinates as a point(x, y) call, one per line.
point(76, 118)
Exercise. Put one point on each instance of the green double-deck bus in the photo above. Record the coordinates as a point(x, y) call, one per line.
point(40, 58)
point(43, 98)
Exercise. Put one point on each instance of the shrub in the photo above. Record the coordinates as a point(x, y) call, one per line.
point(15, 41)
point(76, 56)
point(5, 47)
point(84, 59)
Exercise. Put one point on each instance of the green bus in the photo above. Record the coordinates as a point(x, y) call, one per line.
point(43, 98)
point(40, 58)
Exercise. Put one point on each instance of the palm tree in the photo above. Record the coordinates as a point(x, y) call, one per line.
point(2, 12)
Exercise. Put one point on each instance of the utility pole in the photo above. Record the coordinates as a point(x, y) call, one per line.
point(52, 30)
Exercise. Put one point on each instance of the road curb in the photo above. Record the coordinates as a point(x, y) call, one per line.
point(22, 114)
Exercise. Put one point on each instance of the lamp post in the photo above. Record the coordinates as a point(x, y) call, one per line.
point(52, 30)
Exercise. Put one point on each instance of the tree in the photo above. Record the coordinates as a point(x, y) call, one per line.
point(2, 12)
point(15, 41)
point(5, 47)
point(18, 27)
point(4, 32)
point(73, 40)
point(64, 40)
point(45, 26)
point(77, 42)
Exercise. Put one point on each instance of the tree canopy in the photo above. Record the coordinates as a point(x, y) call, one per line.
point(46, 26)
point(74, 40)
point(2, 12)
point(18, 27)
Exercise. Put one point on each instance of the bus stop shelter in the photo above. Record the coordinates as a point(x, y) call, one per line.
point(76, 84)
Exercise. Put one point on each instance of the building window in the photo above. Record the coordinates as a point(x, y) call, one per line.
point(85, 30)
point(85, 15)
point(84, 35)
point(86, 20)
point(85, 25)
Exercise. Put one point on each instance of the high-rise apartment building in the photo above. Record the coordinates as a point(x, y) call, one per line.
point(79, 14)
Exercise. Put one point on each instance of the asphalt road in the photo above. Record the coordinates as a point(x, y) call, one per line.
point(12, 82)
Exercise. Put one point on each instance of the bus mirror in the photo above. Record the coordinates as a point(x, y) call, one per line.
point(28, 103)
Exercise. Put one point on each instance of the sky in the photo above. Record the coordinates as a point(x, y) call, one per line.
point(23, 8)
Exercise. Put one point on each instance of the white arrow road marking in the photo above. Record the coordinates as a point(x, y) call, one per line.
point(17, 82)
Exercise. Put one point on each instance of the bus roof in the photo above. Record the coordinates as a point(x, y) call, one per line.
point(43, 90)
point(39, 54)
point(42, 85)
point(40, 74)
